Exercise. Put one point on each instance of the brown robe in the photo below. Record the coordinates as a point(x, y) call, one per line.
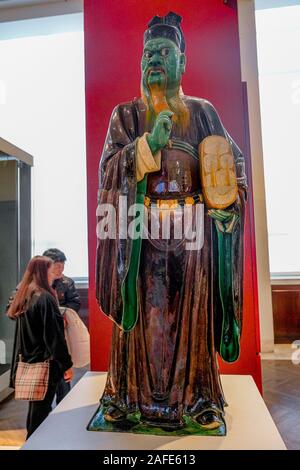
point(166, 366)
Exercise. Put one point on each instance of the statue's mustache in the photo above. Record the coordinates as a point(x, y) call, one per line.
point(155, 69)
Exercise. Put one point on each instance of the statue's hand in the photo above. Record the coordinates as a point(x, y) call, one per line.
point(161, 131)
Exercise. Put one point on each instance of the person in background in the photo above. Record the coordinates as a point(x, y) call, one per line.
point(39, 333)
point(65, 288)
point(68, 297)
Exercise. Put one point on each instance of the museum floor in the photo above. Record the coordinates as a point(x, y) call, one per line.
point(281, 383)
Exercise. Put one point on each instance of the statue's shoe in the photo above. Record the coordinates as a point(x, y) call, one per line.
point(114, 415)
point(210, 419)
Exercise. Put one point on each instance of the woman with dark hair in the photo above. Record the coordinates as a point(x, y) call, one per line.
point(39, 333)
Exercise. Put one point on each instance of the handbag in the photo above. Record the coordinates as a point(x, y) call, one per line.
point(32, 379)
point(77, 338)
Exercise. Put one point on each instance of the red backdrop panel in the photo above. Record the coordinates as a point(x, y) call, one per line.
point(113, 48)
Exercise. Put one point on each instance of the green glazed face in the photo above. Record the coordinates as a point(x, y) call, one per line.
point(162, 64)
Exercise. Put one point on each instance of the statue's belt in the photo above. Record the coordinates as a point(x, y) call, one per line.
point(167, 204)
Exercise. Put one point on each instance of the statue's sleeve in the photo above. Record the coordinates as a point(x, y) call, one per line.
point(216, 127)
point(117, 188)
point(228, 246)
point(146, 162)
point(125, 161)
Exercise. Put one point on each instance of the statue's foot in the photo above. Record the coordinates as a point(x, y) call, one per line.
point(210, 419)
point(114, 415)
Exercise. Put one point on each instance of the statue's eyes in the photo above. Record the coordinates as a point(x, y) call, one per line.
point(164, 52)
point(147, 55)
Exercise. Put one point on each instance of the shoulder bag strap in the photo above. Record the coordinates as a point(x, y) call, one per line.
point(19, 338)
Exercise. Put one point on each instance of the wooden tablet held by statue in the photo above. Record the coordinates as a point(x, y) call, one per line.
point(217, 170)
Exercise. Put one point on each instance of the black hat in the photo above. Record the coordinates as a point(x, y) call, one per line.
point(166, 27)
point(56, 255)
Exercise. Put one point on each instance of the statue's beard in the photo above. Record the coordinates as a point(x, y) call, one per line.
point(157, 99)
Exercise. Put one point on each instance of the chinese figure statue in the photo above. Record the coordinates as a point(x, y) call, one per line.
point(170, 251)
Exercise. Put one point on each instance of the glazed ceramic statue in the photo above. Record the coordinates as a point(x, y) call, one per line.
point(173, 287)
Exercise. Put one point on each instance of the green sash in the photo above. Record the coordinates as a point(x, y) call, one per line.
point(230, 334)
point(129, 286)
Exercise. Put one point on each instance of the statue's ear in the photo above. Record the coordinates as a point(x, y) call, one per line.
point(182, 62)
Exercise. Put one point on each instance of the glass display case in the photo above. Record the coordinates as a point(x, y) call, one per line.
point(15, 239)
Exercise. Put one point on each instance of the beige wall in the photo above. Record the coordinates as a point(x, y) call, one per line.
point(249, 66)
point(8, 181)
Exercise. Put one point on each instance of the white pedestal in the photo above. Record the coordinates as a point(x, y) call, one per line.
point(249, 424)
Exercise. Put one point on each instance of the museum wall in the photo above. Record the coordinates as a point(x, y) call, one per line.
point(113, 48)
point(249, 71)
